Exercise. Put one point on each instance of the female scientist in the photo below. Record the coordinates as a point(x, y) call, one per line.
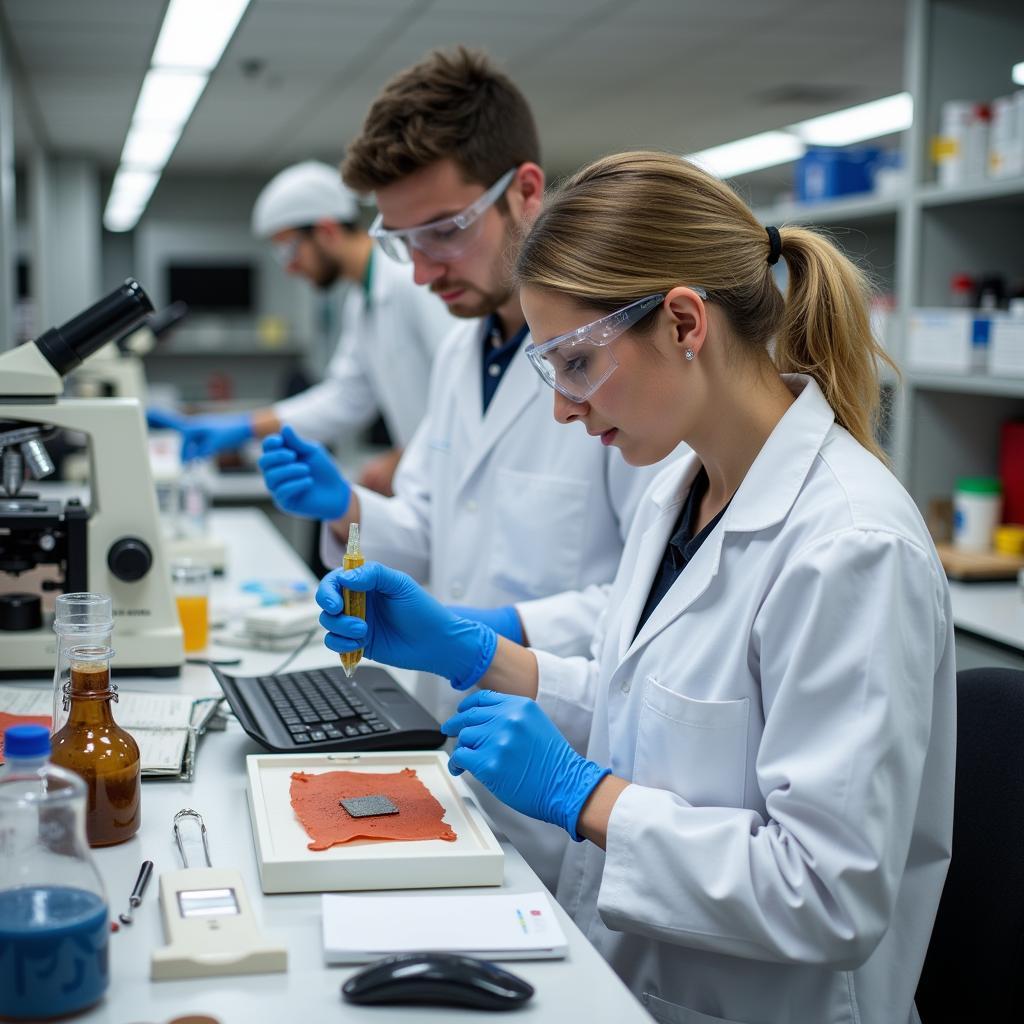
point(765, 803)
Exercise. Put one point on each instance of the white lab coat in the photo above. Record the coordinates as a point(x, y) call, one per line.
point(505, 507)
point(787, 720)
point(382, 362)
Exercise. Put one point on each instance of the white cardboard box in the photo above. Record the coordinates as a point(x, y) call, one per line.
point(1006, 349)
point(947, 340)
point(286, 864)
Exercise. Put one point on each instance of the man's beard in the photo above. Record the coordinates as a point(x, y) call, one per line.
point(327, 271)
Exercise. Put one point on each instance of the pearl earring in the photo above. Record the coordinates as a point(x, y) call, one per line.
point(689, 355)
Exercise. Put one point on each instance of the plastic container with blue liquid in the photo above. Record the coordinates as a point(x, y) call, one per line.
point(54, 920)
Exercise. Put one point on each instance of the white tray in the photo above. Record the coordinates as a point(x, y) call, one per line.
point(287, 865)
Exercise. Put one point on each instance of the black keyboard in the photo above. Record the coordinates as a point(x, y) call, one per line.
point(322, 709)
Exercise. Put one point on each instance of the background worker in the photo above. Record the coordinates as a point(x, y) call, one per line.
point(390, 328)
point(764, 810)
point(494, 504)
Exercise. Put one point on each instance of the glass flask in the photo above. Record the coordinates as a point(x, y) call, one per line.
point(191, 582)
point(93, 746)
point(78, 619)
point(54, 920)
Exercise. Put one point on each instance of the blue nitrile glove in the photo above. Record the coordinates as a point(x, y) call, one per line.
point(504, 621)
point(515, 750)
point(404, 626)
point(164, 419)
point(302, 477)
point(203, 436)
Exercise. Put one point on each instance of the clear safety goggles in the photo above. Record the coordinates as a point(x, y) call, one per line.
point(577, 363)
point(445, 239)
point(285, 252)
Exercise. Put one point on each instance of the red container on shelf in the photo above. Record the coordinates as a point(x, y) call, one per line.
point(1011, 470)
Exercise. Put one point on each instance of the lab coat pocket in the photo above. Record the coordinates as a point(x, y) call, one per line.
point(672, 1013)
point(696, 748)
point(539, 534)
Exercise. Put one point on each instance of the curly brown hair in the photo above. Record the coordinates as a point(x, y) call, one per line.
point(451, 105)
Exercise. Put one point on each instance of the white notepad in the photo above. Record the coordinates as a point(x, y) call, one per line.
point(507, 926)
point(165, 725)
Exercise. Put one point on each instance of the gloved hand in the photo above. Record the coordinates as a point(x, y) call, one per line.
point(207, 435)
point(302, 477)
point(164, 419)
point(404, 626)
point(504, 621)
point(515, 750)
point(203, 436)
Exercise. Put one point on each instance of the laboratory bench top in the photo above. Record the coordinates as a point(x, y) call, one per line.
point(581, 987)
point(992, 611)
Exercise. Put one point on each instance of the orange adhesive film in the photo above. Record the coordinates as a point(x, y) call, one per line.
point(315, 801)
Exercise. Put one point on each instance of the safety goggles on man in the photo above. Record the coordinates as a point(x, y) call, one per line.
point(286, 252)
point(577, 363)
point(445, 239)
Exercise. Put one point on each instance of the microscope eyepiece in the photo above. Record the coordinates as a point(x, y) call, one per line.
point(66, 346)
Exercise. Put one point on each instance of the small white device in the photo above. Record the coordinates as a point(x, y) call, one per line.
point(208, 921)
point(282, 621)
point(273, 628)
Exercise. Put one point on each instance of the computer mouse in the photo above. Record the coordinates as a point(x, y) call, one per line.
point(438, 978)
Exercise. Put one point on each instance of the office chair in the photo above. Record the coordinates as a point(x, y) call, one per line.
point(974, 967)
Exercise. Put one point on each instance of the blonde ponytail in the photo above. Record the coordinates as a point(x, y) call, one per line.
point(638, 223)
point(826, 332)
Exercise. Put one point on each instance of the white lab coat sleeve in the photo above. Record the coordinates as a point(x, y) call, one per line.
point(563, 623)
point(396, 530)
point(848, 641)
point(566, 690)
point(345, 400)
point(567, 687)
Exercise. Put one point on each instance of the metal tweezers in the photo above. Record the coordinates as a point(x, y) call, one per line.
point(187, 812)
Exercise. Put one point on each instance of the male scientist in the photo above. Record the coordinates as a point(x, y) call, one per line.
point(496, 504)
point(391, 329)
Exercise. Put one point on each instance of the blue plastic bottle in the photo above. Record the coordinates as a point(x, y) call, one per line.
point(54, 921)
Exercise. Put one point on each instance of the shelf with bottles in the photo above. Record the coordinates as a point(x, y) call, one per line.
point(968, 102)
point(861, 211)
point(965, 384)
point(954, 432)
point(998, 191)
point(977, 244)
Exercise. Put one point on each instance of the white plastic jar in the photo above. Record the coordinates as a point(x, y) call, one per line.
point(977, 502)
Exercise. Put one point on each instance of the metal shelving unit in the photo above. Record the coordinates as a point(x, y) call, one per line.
point(942, 425)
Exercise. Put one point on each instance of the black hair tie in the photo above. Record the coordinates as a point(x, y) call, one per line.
point(775, 241)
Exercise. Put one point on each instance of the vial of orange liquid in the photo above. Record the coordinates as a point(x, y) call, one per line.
point(93, 746)
point(355, 600)
point(191, 594)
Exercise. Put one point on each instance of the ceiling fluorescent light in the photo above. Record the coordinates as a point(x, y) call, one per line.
point(149, 148)
point(132, 186)
point(766, 149)
point(168, 97)
point(128, 197)
point(117, 219)
point(1017, 73)
point(196, 32)
point(855, 124)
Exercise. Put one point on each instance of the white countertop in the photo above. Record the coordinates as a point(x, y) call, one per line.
point(994, 611)
point(580, 988)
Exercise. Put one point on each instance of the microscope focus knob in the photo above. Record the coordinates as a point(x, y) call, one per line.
point(129, 559)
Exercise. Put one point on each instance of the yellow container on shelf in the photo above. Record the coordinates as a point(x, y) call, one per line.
point(1008, 539)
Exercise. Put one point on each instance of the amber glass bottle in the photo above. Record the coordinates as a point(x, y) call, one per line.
point(92, 745)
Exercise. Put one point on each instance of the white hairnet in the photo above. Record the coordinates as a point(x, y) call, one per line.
point(301, 195)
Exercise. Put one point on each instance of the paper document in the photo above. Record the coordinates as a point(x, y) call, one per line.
point(163, 724)
point(508, 926)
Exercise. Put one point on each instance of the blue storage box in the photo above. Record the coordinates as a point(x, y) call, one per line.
point(824, 173)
